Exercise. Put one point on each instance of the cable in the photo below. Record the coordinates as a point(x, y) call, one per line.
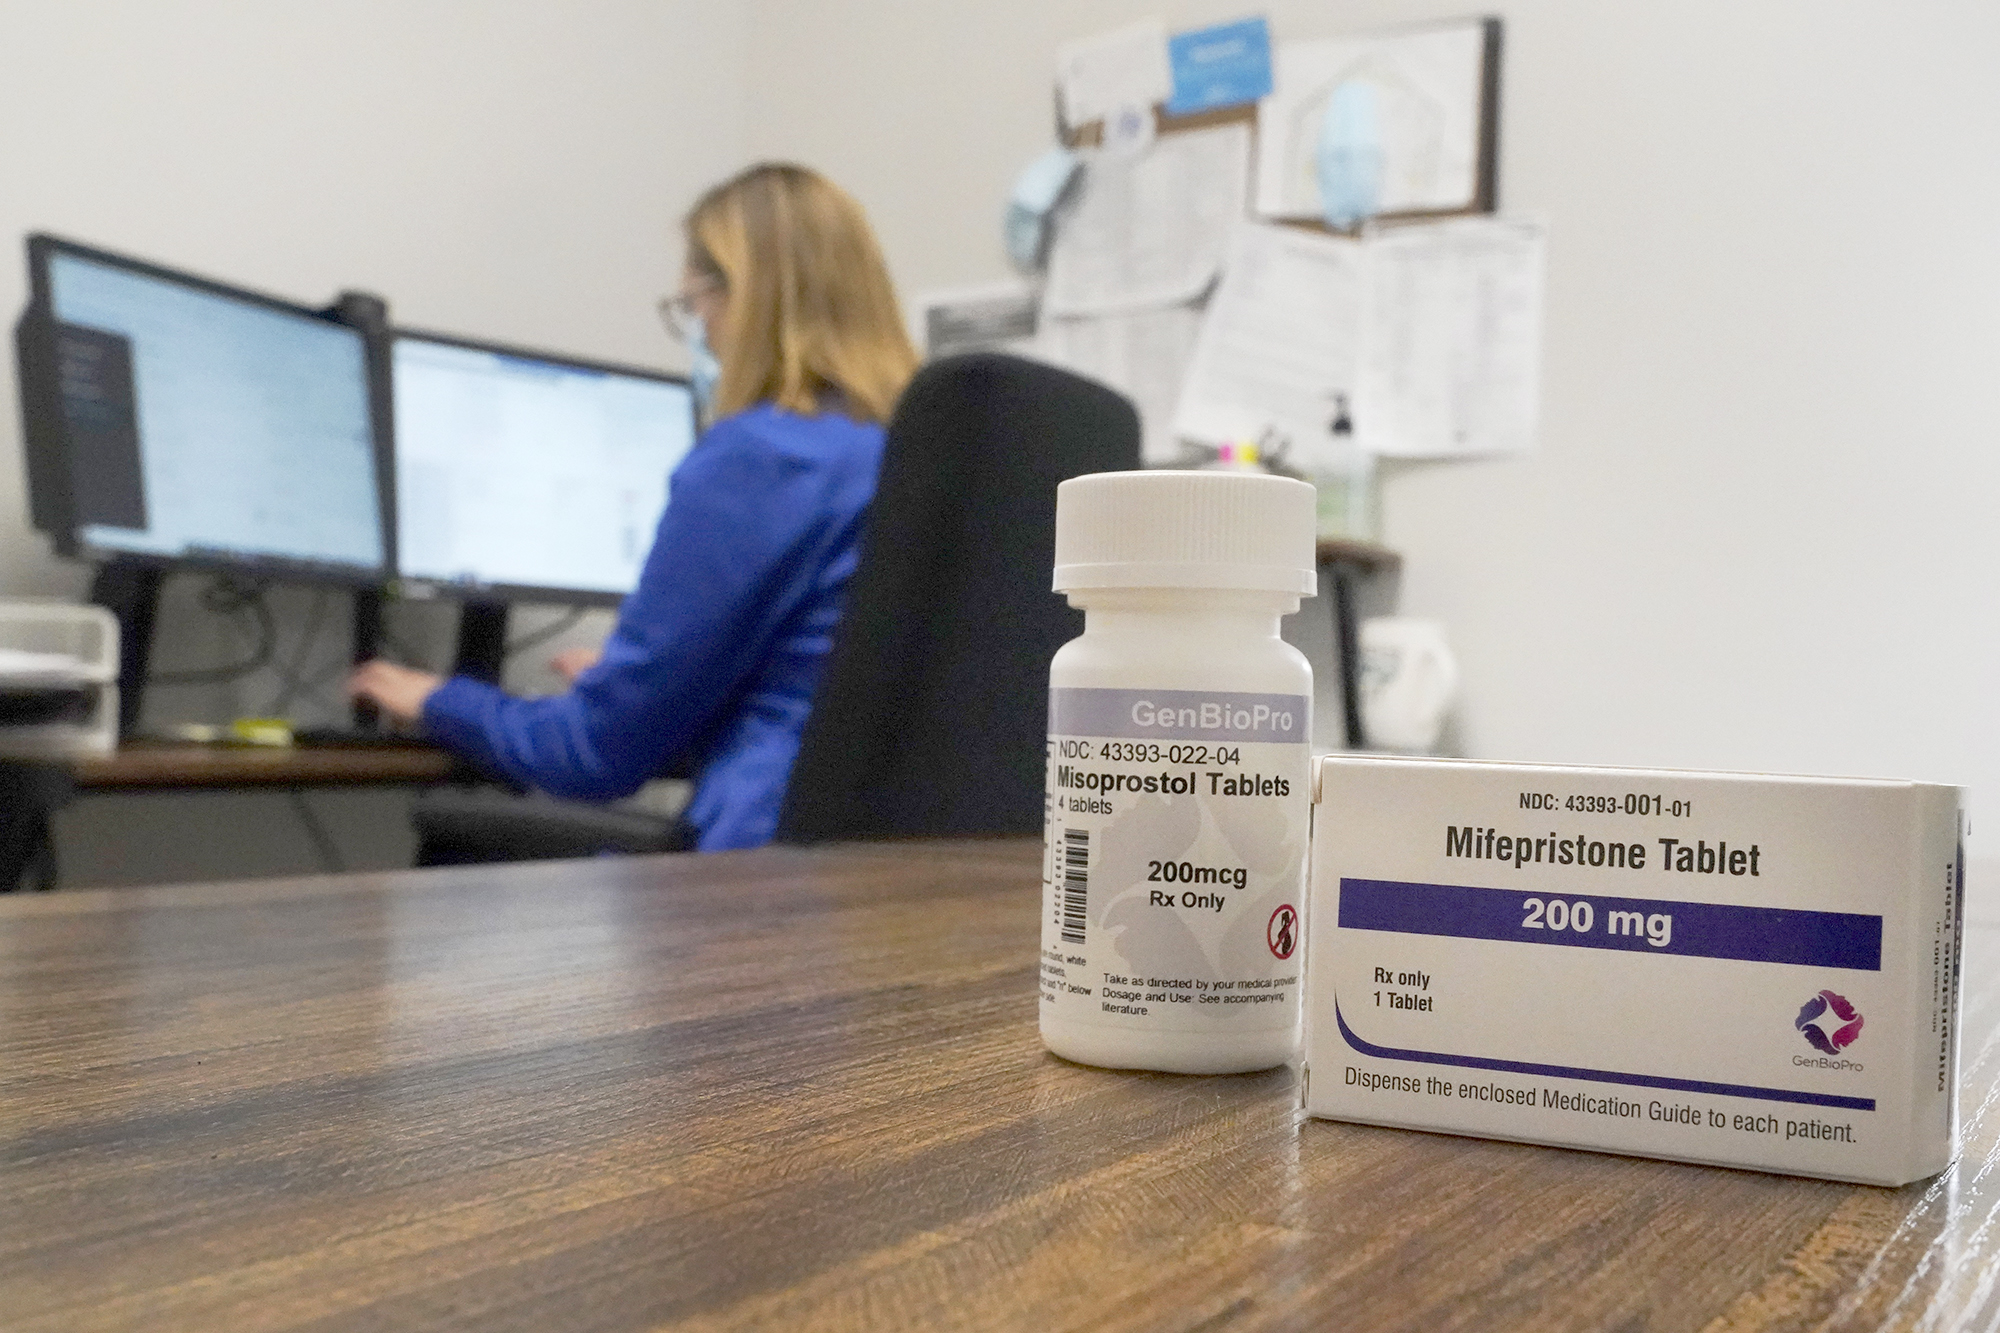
point(561, 625)
point(295, 683)
point(227, 596)
point(330, 859)
point(398, 647)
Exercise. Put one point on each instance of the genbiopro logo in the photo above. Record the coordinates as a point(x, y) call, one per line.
point(1828, 1022)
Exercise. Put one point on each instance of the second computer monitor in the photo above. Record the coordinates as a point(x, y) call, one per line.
point(524, 475)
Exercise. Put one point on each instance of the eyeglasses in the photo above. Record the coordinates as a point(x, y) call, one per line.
point(679, 314)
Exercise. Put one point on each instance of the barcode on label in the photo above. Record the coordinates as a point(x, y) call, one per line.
point(1076, 883)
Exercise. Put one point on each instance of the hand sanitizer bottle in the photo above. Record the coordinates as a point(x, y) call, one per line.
point(1178, 773)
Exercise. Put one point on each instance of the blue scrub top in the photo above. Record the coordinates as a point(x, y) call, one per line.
point(724, 637)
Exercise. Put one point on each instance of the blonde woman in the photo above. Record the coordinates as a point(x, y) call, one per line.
point(716, 653)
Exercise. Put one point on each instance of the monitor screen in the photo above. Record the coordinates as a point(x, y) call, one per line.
point(206, 424)
point(529, 474)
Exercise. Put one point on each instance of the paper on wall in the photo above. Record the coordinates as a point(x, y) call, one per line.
point(1151, 229)
point(1141, 353)
point(1424, 91)
point(1126, 67)
point(1279, 349)
point(1451, 364)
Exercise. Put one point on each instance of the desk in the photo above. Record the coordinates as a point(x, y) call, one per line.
point(143, 766)
point(1346, 560)
point(795, 1088)
point(30, 791)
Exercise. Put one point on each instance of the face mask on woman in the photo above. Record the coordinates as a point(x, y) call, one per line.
point(703, 369)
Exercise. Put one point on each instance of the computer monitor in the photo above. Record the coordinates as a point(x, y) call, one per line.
point(523, 476)
point(171, 419)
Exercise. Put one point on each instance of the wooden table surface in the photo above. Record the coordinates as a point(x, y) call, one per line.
point(790, 1089)
point(148, 766)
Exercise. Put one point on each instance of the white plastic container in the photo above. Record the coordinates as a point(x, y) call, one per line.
point(1179, 773)
point(60, 647)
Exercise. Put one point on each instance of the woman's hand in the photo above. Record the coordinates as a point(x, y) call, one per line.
point(573, 662)
point(399, 691)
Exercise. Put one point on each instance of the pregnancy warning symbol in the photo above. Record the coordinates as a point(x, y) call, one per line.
point(1283, 932)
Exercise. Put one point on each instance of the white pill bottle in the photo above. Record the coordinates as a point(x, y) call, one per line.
point(1179, 802)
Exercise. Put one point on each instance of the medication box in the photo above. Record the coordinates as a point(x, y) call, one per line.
point(1738, 969)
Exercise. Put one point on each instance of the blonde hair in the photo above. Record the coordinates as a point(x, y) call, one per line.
point(813, 318)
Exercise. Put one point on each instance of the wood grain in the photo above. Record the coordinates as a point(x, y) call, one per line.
point(141, 766)
point(802, 1089)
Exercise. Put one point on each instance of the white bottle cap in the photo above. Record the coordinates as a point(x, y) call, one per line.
point(1159, 529)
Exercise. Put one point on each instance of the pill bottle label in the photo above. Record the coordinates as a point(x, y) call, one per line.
point(1174, 873)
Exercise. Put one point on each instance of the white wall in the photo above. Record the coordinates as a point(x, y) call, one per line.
point(1755, 535)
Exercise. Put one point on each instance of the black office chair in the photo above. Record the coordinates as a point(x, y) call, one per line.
point(932, 716)
point(482, 824)
point(30, 795)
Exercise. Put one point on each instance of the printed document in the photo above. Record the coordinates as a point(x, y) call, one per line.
point(1279, 351)
point(1149, 230)
point(1418, 341)
point(1451, 362)
point(1141, 353)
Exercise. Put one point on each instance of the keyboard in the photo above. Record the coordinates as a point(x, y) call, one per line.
point(338, 738)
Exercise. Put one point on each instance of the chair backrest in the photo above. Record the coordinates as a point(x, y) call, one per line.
point(932, 717)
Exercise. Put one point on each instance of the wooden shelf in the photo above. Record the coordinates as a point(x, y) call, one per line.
point(1371, 556)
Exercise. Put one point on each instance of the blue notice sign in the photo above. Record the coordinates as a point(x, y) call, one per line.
point(1226, 65)
point(1635, 925)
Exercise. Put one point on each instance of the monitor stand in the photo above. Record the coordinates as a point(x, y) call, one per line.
point(370, 314)
point(130, 591)
point(482, 641)
point(367, 645)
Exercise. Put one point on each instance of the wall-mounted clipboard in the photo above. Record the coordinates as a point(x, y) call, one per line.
point(1145, 338)
point(1433, 93)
